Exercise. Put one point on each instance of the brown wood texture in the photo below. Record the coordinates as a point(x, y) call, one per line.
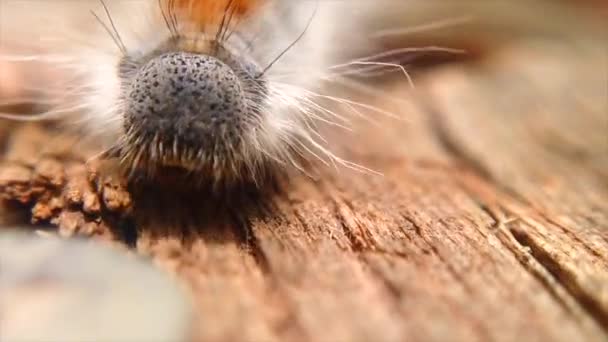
point(489, 223)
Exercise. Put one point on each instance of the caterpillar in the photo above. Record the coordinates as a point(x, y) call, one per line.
point(227, 90)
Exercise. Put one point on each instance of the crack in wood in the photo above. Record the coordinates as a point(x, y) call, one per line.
point(523, 254)
point(591, 306)
point(246, 234)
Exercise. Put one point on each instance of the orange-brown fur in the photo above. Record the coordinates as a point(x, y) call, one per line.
point(210, 12)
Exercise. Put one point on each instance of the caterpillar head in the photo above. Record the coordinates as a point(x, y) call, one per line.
point(204, 98)
point(193, 103)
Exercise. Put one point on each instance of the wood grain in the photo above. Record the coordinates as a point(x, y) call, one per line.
point(490, 221)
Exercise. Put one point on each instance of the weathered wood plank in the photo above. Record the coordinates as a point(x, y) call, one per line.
point(546, 153)
point(489, 223)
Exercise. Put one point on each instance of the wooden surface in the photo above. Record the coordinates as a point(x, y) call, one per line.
point(490, 222)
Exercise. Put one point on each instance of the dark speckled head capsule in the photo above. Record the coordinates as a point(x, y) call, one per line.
point(196, 99)
point(198, 109)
